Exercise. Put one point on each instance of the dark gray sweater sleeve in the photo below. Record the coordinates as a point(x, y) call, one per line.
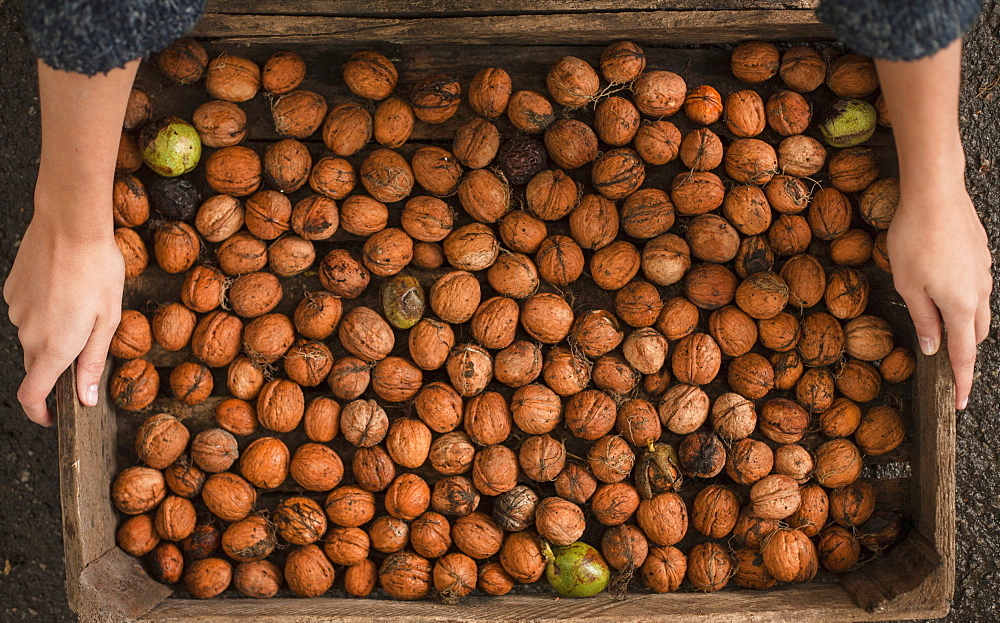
point(898, 30)
point(95, 36)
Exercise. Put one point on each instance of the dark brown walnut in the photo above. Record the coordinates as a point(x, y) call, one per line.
point(514, 510)
point(822, 340)
point(435, 99)
point(657, 142)
point(347, 128)
point(298, 114)
point(702, 455)
point(520, 159)
point(529, 111)
point(134, 385)
point(184, 61)
point(815, 389)
point(749, 571)
point(489, 92)
point(455, 496)
point(755, 61)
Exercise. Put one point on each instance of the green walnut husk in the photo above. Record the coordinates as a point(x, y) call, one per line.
point(403, 301)
point(849, 123)
point(170, 146)
point(576, 570)
point(658, 470)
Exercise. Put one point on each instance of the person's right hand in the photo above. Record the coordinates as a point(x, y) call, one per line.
point(64, 293)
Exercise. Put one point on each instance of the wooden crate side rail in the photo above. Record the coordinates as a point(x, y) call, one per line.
point(651, 27)
point(440, 8)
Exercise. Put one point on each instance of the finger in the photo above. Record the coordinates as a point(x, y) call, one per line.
point(983, 320)
point(35, 388)
point(962, 353)
point(926, 320)
point(90, 366)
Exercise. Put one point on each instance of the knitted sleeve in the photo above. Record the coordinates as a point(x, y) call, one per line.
point(898, 30)
point(95, 36)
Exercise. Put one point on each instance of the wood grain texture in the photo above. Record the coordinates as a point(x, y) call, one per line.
point(116, 589)
point(437, 8)
point(819, 603)
point(87, 464)
point(660, 27)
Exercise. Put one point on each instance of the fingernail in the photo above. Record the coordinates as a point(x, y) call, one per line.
point(927, 346)
point(965, 403)
point(92, 396)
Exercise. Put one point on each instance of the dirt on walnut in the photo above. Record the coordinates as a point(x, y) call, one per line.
point(32, 576)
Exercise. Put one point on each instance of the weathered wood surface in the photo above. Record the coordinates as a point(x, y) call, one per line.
point(819, 603)
point(438, 8)
point(659, 27)
point(87, 463)
point(115, 588)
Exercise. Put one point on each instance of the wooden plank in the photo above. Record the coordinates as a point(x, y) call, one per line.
point(821, 603)
point(902, 575)
point(417, 8)
point(654, 27)
point(86, 465)
point(115, 588)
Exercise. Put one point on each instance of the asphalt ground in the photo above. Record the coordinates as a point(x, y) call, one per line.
point(32, 574)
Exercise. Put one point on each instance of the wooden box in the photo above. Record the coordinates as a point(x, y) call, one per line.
point(915, 581)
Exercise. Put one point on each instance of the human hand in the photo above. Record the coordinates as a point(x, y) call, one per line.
point(64, 293)
point(941, 266)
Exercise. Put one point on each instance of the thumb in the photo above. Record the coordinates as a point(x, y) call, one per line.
point(926, 320)
point(90, 367)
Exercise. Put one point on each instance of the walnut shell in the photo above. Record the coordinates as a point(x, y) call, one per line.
point(347, 128)
point(298, 114)
point(232, 78)
point(489, 92)
point(370, 74)
point(755, 61)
